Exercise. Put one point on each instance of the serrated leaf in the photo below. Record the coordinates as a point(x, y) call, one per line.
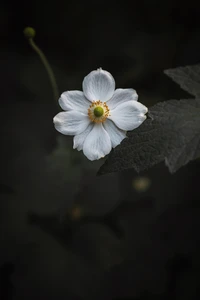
point(187, 77)
point(172, 133)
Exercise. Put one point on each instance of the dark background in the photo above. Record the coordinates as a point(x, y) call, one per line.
point(65, 233)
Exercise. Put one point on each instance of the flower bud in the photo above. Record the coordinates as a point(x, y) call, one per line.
point(29, 32)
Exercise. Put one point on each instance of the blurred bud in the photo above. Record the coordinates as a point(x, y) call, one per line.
point(75, 213)
point(141, 184)
point(29, 32)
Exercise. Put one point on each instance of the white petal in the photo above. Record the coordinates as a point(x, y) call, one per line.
point(98, 85)
point(80, 138)
point(116, 134)
point(120, 96)
point(128, 115)
point(74, 100)
point(71, 122)
point(97, 143)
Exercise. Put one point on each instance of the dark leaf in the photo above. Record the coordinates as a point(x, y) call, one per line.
point(187, 77)
point(65, 231)
point(171, 134)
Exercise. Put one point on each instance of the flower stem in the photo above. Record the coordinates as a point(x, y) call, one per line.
point(43, 59)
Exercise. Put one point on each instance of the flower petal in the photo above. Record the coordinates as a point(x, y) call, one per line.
point(71, 122)
point(116, 135)
point(80, 138)
point(128, 115)
point(98, 85)
point(120, 96)
point(74, 100)
point(97, 144)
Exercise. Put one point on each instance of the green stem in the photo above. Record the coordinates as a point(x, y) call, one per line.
point(47, 67)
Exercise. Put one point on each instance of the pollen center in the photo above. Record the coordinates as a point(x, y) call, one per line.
point(98, 111)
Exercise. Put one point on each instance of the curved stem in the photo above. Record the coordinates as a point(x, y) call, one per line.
point(47, 67)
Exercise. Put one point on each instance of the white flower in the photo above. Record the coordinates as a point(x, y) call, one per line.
point(99, 116)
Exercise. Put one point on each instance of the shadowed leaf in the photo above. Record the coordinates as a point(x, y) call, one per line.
point(187, 77)
point(172, 133)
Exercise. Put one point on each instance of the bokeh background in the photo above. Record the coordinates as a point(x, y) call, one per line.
point(64, 232)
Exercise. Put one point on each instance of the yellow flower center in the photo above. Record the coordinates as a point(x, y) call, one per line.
point(98, 111)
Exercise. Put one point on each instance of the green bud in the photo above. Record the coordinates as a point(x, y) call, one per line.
point(98, 111)
point(29, 32)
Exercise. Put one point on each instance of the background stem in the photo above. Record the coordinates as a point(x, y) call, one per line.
point(47, 67)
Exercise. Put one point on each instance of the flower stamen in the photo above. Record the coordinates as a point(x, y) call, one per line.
point(98, 111)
